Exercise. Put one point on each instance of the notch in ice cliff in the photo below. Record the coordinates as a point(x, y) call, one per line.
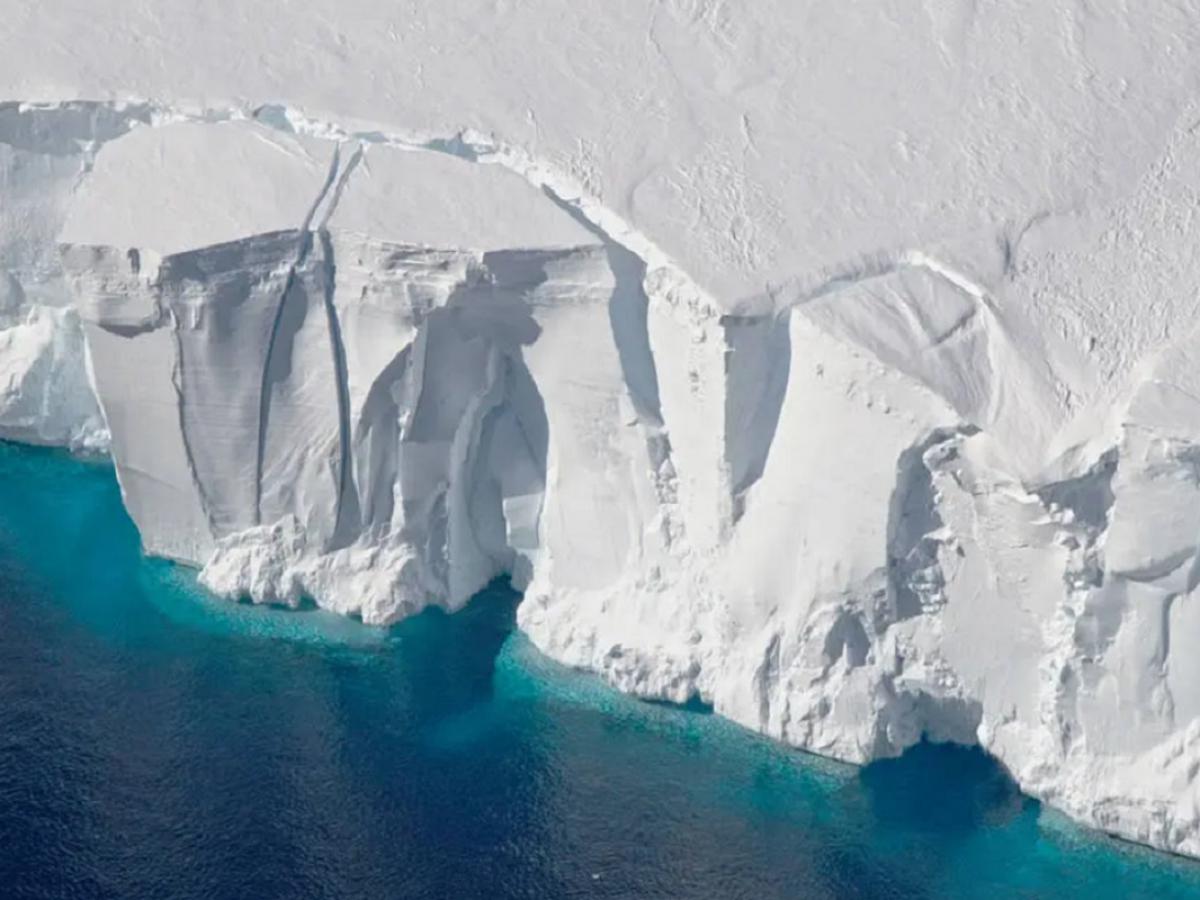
point(886, 498)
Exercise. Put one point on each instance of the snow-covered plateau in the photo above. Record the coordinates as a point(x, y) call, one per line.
point(833, 362)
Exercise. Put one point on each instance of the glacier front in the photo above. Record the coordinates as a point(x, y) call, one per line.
point(830, 362)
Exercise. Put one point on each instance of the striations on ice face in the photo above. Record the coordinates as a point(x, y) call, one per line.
point(860, 401)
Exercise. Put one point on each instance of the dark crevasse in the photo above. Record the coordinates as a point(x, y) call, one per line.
point(157, 742)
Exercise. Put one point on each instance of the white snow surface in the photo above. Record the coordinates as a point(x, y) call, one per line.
point(830, 361)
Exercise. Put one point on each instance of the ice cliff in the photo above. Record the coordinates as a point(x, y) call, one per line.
point(831, 362)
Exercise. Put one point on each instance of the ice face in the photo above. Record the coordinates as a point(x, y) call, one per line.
point(353, 384)
point(842, 522)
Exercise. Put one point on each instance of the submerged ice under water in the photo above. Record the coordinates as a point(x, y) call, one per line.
point(157, 742)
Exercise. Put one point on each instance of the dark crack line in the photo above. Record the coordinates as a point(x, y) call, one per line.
point(189, 455)
point(341, 530)
point(264, 397)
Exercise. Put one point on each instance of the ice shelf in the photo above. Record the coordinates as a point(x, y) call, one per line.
point(832, 363)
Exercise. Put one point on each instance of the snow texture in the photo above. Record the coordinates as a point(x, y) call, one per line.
point(830, 362)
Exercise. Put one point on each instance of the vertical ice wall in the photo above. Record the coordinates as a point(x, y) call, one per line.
point(884, 501)
point(374, 377)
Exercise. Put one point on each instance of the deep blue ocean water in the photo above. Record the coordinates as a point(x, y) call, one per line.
point(158, 743)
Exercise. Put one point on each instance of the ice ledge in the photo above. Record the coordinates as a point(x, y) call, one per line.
point(870, 505)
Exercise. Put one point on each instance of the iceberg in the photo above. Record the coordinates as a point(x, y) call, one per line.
point(857, 401)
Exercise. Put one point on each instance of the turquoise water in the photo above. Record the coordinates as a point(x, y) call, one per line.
point(156, 742)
